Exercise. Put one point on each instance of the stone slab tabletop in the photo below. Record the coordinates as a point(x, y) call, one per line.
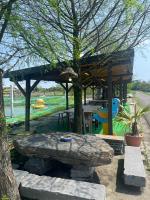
point(82, 150)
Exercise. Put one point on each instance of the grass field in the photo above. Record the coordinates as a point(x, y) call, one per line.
point(118, 128)
point(52, 105)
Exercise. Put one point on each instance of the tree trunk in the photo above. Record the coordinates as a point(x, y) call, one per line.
point(78, 109)
point(8, 185)
point(76, 66)
point(134, 128)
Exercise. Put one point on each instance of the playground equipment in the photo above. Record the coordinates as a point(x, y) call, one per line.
point(39, 104)
point(102, 114)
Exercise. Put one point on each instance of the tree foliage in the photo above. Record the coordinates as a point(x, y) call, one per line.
point(58, 30)
point(8, 49)
point(53, 28)
point(140, 85)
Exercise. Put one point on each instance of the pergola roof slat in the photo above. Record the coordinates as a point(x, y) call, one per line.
point(121, 63)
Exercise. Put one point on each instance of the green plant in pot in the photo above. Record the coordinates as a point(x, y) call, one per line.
point(130, 121)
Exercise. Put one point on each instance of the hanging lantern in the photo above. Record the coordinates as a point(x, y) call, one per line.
point(68, 73)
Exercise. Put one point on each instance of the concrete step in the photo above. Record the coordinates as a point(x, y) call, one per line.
point(46, 188)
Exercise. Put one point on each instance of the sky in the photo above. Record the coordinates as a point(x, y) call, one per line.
point(141, 68)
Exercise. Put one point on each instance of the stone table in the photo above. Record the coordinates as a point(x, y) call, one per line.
point(83, 153)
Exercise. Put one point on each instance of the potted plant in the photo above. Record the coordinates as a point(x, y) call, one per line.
point(130, 121)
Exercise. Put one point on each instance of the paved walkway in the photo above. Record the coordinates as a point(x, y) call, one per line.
point(144, 100)
point(146, 143)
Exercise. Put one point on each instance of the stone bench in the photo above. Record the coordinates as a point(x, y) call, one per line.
point(134, 171)
point(45, 188)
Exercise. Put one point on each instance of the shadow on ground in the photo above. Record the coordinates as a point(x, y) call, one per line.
point(120, 186)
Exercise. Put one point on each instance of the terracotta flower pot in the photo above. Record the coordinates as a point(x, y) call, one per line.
point(133, 140)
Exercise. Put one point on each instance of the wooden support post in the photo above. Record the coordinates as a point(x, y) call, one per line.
point(67, 105)
point(67, 97)
point(12, 100)
point(62, 86)
point(98, 93)
point(1, 98)
point(34, 85)
point(114, 91)
point(67, 89)
point(103, 93)
point(110, 128)
point(113, 88)
point(118, 90)
point(20, 88)
point(27, 95)
point(93, 92)
point(84, 96)
point(70, 88)
point(121, 90)
point(27, 105)
point(125, 91)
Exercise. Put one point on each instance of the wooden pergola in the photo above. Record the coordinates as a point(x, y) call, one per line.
point(111, 72)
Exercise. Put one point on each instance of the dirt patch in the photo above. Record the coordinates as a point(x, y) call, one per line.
point(112, 177)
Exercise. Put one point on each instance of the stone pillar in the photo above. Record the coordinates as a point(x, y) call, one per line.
point(82, 173)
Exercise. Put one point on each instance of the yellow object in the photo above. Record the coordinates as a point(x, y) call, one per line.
point(103, 114)
point(105, 125)
point(39, 104)
point(105, 128)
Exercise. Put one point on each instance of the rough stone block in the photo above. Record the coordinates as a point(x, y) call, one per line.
point(46, 188)
point(134, 171)
point(38, 165)
point(82, 172)
point(15, 166)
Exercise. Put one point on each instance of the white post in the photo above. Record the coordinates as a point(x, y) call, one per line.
point(12, 100)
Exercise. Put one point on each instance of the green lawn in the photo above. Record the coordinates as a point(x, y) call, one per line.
point(118, 128)
point(53, 104)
